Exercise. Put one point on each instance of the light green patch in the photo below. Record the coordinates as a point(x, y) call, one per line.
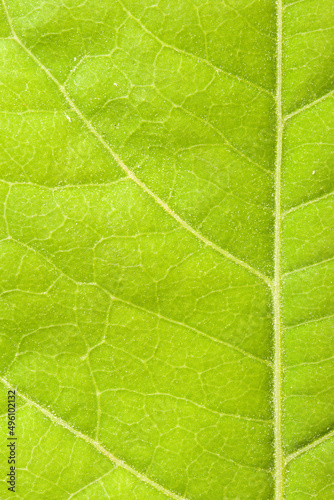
point(166, 243)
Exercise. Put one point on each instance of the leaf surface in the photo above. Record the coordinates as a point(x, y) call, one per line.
point(166, 221)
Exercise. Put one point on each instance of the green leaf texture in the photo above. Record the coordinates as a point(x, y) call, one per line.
point(167, 237)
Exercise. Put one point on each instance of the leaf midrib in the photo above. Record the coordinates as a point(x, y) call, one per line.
point(276, 289)
point(274, 285)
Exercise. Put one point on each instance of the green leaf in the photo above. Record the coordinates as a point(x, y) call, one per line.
point(166, 220)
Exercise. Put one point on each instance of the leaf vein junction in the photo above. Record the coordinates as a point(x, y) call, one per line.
point(131, 304)
point(309, 446)
point(309, 105)
point(307, 203)
point(95, 444)
point(189, 54)
point(276, 290)
point(131, 175)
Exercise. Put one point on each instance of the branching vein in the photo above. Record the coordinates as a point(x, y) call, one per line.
point(309, 105)
point(189, 54)
point(148, 311)
point(131, 174)
point(118, 462)
point(309, 446)
point(279, 459)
